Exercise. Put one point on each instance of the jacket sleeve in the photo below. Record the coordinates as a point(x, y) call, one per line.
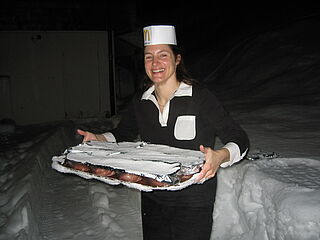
point(223, 124)
point(127, 129)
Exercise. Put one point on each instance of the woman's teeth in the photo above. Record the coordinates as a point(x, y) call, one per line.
point(158, 70)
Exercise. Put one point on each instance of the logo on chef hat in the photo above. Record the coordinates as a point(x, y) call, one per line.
point(159, 34)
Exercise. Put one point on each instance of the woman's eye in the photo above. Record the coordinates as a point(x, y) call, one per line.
point(147, 58)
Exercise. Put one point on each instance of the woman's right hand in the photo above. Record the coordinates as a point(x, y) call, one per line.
point(88, 136)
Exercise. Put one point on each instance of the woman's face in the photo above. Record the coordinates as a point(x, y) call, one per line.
point(160, 63)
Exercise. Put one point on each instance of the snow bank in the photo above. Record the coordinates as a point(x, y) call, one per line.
point(22, 179)
point(264, 199)
point(268, 199)
point(39, 203)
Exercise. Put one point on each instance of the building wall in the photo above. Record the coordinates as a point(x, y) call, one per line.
point(52, 75)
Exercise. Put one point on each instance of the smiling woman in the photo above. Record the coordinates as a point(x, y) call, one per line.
point(160, 66)
point(176, 54)
point(173, 110)
point(160, 63)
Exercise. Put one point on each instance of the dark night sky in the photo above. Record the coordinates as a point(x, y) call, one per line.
point(210, 19)
point(201, 26)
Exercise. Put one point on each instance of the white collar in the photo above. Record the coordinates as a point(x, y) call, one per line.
point(183, 90)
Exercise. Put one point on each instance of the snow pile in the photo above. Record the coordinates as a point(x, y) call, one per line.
point(269, 199)
point(39, 203)
point(118, 210)
point(270, 84)
point(263, 199)
point(22, 178)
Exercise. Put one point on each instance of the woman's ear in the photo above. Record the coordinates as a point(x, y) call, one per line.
point(178, 59)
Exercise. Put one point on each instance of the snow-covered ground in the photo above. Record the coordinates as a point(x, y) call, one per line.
point(273, 198)
point(266, 198)
point(40, 203)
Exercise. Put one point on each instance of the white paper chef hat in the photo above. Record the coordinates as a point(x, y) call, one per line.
point(159, 34)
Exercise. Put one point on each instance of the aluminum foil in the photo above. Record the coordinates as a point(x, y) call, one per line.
point(159, 162)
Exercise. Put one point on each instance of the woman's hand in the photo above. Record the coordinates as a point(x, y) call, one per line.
point(213, 160)
point(88, 136)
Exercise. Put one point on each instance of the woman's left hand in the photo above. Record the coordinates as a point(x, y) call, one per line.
point(213, 160)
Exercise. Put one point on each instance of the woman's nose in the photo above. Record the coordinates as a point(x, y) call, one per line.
point(154, 61)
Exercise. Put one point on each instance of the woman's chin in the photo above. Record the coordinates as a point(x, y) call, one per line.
point(157, 80)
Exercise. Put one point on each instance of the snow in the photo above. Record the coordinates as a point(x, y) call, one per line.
point(40, 203)
point(269, 199)
point(266, 198)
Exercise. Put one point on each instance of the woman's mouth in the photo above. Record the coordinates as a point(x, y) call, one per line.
point(158, 70)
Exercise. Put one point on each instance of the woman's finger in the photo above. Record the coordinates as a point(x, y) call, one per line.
point(87, 136)
point(200, 177)
point(203, 149)
point(203, 172)
point(81, 132)
point(210, 167)
point(210, 174)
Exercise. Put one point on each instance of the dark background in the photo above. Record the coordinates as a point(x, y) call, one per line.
point(217, 23)
point(202, 27)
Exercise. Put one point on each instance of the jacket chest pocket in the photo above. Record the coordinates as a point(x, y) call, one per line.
point(185, 127)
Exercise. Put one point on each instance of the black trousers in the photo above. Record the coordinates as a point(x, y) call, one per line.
point(165, 222)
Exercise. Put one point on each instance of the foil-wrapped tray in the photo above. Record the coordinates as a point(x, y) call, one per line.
point(139, 165)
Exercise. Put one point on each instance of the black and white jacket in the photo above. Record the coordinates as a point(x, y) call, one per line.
point(192, 117)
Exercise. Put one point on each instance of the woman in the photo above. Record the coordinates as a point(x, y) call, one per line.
point(174, 110)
